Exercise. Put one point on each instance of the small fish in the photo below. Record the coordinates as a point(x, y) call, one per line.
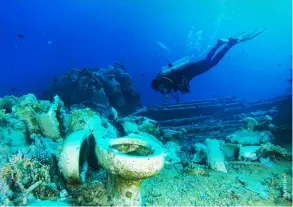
point(279, 65)
point(15, 46)
point(20, 35)
point(50, 42)
point(142, 74)
point(13, 89)
point(43, 33)
point(163, 46)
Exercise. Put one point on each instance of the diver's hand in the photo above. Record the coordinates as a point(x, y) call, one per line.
point(166, 97)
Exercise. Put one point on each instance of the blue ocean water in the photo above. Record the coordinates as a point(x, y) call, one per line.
point(59, 35)
point(82, 138)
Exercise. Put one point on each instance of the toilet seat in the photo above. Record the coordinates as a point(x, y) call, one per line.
point(74, 155)
point(130, 166)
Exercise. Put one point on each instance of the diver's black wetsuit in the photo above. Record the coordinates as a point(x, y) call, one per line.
point(174, 80)
point(182, 77)
point(196, 68)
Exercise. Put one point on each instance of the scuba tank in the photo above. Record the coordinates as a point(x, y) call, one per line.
point(175, 65)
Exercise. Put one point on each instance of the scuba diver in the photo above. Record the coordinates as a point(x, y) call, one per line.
point(176, 77)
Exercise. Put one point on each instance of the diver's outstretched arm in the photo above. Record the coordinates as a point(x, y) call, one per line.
point(168, 92)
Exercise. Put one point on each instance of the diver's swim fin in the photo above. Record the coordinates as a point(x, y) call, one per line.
point(244, 36)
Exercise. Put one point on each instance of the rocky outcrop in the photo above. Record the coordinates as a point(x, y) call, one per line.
point(99, 89)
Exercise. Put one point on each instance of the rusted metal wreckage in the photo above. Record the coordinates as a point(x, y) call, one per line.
point(220, 116)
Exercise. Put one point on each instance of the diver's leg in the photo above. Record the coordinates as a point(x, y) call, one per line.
point(219, 56)
point(214, 49)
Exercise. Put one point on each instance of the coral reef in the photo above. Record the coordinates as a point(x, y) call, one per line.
point(24, 177)
point(91, 193)
point(201, 139)
point(99, 89)
point(4, 117)
point(274, 152)
point(25, 110)
point(88, 119)
point(30, 134)
point(40, 117)
point(7, 102)
point(13, 139)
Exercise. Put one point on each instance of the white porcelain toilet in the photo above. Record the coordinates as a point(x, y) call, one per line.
point(73, 159)
point(128, 161)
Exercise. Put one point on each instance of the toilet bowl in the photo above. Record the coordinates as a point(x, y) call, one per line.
point(128, 161)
